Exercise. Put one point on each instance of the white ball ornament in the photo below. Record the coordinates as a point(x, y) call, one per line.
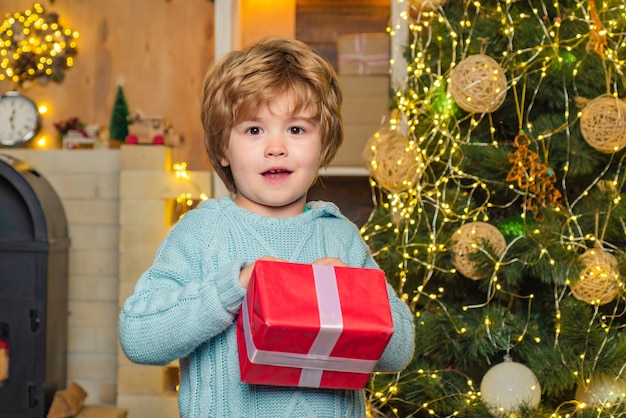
point(602, 389)
point(509, 385)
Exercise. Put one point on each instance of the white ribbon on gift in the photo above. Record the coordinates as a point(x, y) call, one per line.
point(318, 358)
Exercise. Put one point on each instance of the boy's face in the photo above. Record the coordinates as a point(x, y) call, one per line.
point(274, 157)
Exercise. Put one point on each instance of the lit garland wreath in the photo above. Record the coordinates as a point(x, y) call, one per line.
point(34, 47)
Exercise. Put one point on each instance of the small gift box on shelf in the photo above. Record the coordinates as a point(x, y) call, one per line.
point(84, 138)
point(363, 54)
point(312, 325)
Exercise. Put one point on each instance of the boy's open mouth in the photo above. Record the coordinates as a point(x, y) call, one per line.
point(276, 173)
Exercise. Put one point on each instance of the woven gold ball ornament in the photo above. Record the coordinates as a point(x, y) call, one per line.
point(603, 124)
point(478, 84)
point(599, 281)
point(600, 390)
point(466, 241)
point(419, 6)
point(393, 160)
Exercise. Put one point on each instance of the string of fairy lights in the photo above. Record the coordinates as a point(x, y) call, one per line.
point(416, 155)
point(185, 201)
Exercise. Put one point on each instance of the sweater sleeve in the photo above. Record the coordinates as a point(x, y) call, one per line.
point(399, 350)
point(181, 301)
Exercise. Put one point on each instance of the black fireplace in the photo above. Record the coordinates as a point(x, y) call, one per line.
point(33, 291)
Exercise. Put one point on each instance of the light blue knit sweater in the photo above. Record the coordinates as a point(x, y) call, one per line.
point(185, 307)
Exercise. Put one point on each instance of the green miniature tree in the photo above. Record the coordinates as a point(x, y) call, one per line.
point(118, 127)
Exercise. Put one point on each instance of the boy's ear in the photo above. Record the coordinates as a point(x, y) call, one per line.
point(224, 162)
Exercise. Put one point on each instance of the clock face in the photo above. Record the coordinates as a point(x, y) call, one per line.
point(19, 119)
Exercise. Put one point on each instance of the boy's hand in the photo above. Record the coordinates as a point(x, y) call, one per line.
point(330, 261)
point(246, 272)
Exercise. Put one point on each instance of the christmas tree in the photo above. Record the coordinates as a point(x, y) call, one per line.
point(118, 126)
point(498, 183)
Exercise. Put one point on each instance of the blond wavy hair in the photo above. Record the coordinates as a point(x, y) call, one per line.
point(241, 82)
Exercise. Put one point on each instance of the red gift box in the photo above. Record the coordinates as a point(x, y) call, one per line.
point(312, 325)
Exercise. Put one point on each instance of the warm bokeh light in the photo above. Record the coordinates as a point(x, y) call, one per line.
point(42, 142)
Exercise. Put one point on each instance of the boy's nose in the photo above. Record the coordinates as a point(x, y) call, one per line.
point(276, 147)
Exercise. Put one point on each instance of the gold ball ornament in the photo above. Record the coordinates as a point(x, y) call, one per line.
point(603, 124)
point(600, 390)
point(509, 385)
point(393, 160)
point(478, 84)
point(465, 242)
point(599, 282)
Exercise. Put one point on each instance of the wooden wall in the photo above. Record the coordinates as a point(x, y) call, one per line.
point(158, 49)
point(262, 18)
